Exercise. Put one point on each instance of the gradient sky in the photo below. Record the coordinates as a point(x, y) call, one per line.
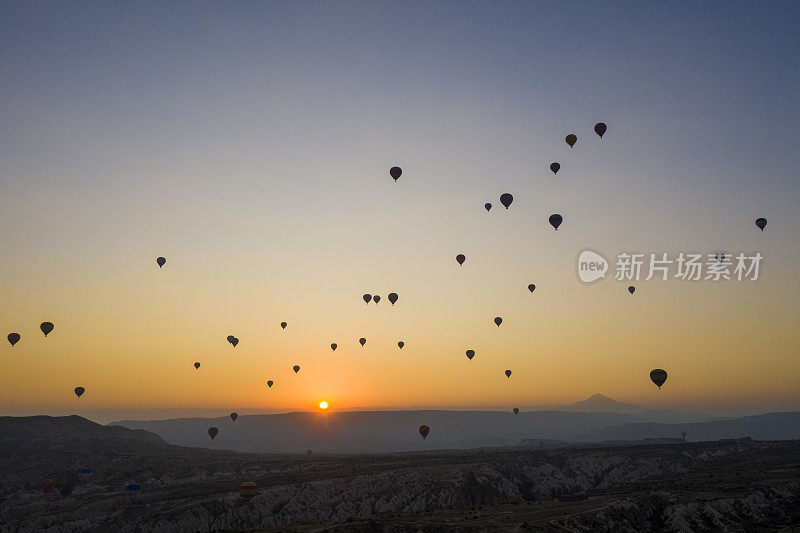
point(249, 143)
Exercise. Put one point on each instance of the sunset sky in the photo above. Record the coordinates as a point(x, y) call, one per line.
point(249, 143)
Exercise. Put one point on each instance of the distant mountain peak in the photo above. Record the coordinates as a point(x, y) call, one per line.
point(602, 403)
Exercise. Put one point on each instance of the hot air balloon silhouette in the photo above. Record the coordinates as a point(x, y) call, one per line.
point(600, 129)
point(196, 365)
point(516, 410)
point(506, 199)
point(248, 490)
point(392, 298)
point(555, 167)
point(555, 220)
point(508, 373)
point(269, 383)
point(296, 368)
point(161, 261)
point(401, 344)
point(234, 416)
point(283, 325)
point(334, 346)
point(531, 287)
point(571, 139)
point(487, 206)
point(470, 354)
point(424, 430)
point(761, 223)
point(212, 432)
point(460, 258)
point(367, 298)
point(376, 298)
point(395, 172)
point(47, 485)
point(79, 391)
point(498, 320)
point(132, 490)
point(13, 338)
point(658, 376)
point(233, 340)
point(631, 289)
point(362, 341)
point(46, 327)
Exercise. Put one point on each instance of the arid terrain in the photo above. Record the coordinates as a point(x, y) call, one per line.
point(674, 486)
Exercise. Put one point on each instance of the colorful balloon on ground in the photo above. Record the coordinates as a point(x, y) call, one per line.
point(376, 298)
point(555, 167)
point(196, 365)
point(424, 430)
point(631, 289)
point(161, 261)
point(362, 341)
point(79, 391)
point(460, 258)
point(395, 172)
point(761, 223)
point(248, 490)
point(296, 368)
point(401, 344)
point(506, 199)
point(334, 346)
point(46, 327)
point(392, 298)
point(367, 298)
point(212, 432)
point(516, 410)
point(571, 139)
point(283, 325)
point(658, 376)
point(270, 383)
point(470, 354)
point(508, 373)
point(13, 338)
point(555, 220)
point(234, 416)
point(600, 129)
point(531, 287)
point(46, 485)
point(487, 206)
point(498, 320)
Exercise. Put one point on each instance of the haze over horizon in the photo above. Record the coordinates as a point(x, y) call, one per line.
point(251, 148)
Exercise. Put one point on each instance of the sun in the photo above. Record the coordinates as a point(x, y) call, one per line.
point(323, 405)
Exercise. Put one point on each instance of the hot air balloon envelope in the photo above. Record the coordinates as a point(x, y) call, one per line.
point(470, 354)
point(516, 410)
point(555, 167)
point(498, 320)
point(362, 341)
point(234, 416)
point(506, 199)
point(761, 223)
point(487, 206)
point(161, 261)
point(424, 430)
point(13, 338)
point(508, 373)
point(296, 368)
point(600, 129)
point(631, 289)
point(79, 391)
point(212, 432)
point(46, 327)
point(658, 376)
point(571, 139)
point(334, 346)
point(367, 298)
point(392, 298)
point(395, 172)
point(248, 490)
point(401, 344)
point(555, 220)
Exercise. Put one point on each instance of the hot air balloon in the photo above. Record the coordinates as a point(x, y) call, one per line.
point(132, 490)
point(555, 167)
point(283, 325)
point(555, 220)
point(362, 341)
point(212, 432)
point(13, 338)
point(571, 139)
point(269, 383)
point(401, 344)
point(248, 490)
point(658, 376)
point(395, 172)
point(234, 416)
point(196, 365)
point(376, 298)
point(85, 472)
point(46, 485)
point(161, 261)
point(424, 430)
point(296, 368)
point(487, 206)
point(506, 199)
point(367, 298)
point(79, 391)
point(235, 341)
point(508, 373)
point(631, 289)
point(498, 320)
point(334, 346)
point(392, 298)
point(531, 287)
point(470, 354)
point(460, 258)
point(46, 327)
point(516, 410)
point(600, 129)
point(761, 223)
